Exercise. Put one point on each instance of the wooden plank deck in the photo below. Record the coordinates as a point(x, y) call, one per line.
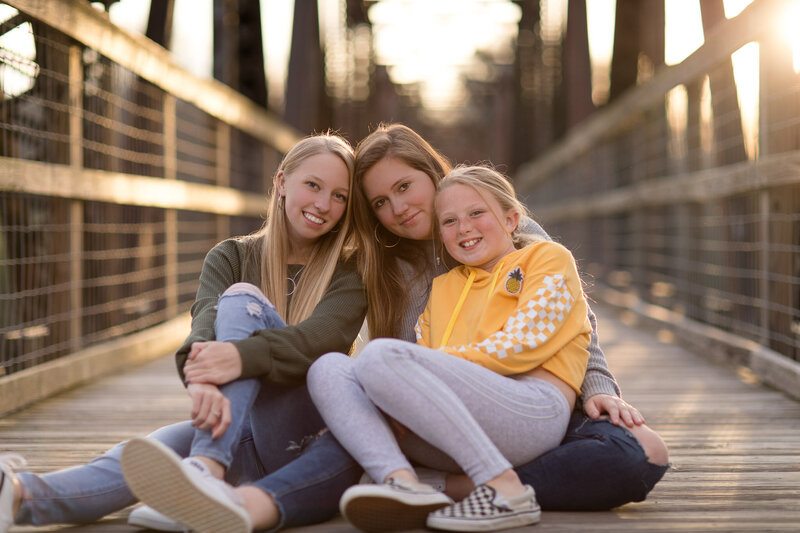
point(735, 445)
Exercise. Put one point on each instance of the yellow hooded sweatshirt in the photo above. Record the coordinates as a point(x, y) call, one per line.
point(529, 311)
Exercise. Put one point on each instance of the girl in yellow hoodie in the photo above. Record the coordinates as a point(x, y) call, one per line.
point(500, 357)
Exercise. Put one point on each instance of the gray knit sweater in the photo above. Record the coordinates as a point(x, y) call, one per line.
point(598, 378)
point(277, 355)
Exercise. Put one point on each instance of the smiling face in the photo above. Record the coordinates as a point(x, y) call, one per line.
point(474, 229)
point(401, 198)
point(315, 197)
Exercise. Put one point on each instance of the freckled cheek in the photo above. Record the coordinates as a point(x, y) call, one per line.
point(449, 240)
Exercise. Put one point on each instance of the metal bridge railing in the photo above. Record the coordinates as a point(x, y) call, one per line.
point(118, 172)
point(686, 191)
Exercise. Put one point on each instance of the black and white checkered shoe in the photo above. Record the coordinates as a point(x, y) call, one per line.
point(392, 506)
point(486, 510)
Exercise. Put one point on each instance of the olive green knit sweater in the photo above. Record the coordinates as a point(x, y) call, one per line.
point(282, 355)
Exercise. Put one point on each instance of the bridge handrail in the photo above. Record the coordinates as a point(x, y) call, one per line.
point(112, 190)
point(145, 58)
point(673, 194)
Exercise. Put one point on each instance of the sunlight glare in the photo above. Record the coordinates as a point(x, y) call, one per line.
point(600, 26)
point(745, 74)
point(683, 30)
point(433, 43)
point(734, 7)
point(130, 14)
point(18, 67)
point(677, 118)
point(789, 32)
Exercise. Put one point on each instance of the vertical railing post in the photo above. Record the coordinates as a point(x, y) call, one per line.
point(763, 276)
point(223, 174)
point(76, 206)
point(170, 215)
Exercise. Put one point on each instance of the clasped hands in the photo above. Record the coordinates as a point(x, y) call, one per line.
point(210, 364)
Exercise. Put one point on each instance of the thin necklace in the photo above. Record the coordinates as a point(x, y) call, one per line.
point(293, 278)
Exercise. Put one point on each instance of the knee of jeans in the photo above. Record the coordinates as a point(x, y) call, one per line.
point(654, 446)
point(243, 287)
point(249, 290)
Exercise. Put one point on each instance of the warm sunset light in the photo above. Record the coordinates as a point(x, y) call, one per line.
point(433, 43)
point(789, 32)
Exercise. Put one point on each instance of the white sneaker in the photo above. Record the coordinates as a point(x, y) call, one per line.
point(146, 517)
point(486, 510)
point(184, 490)
point(393, 506)
point(8, 463)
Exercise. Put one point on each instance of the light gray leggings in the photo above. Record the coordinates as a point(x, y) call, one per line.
point(452, 408)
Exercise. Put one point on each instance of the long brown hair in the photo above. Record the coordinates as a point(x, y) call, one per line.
point(379, 264)
point(274, 242)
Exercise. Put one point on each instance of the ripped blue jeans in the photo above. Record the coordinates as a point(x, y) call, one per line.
point(271, 434)
point(282, 419)
point(241, 310)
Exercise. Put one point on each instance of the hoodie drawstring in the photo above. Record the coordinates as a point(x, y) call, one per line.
point(460, 303)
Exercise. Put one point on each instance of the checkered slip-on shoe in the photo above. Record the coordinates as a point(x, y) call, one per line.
point(392, 506)
point(486, 510)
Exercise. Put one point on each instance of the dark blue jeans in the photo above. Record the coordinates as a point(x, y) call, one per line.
point(598, 466)
point(307, 489)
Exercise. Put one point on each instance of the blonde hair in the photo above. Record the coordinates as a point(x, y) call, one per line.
point(488, 181)
point(387, 293)
point(329, 248)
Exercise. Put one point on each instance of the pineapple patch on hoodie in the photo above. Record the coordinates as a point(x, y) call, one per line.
point(529, 311)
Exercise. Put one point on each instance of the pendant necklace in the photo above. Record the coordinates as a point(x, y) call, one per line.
point(292, 279)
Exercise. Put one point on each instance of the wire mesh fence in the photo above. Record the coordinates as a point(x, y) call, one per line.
point(691, 198)
point(89, 249)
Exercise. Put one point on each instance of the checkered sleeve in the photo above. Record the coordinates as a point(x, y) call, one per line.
point(540, 326)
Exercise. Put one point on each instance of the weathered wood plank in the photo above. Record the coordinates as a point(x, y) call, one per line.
point(734, 444)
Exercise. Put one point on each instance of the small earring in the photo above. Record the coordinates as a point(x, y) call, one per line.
point(378, 239)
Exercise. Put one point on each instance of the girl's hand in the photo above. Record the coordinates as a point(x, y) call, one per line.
point(213, 362)
point(210, 408)
point(618, 410)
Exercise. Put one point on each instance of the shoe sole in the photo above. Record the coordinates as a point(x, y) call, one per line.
point(154, 474)
point(384, 513)
point(526, 518)
point(139, 521)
